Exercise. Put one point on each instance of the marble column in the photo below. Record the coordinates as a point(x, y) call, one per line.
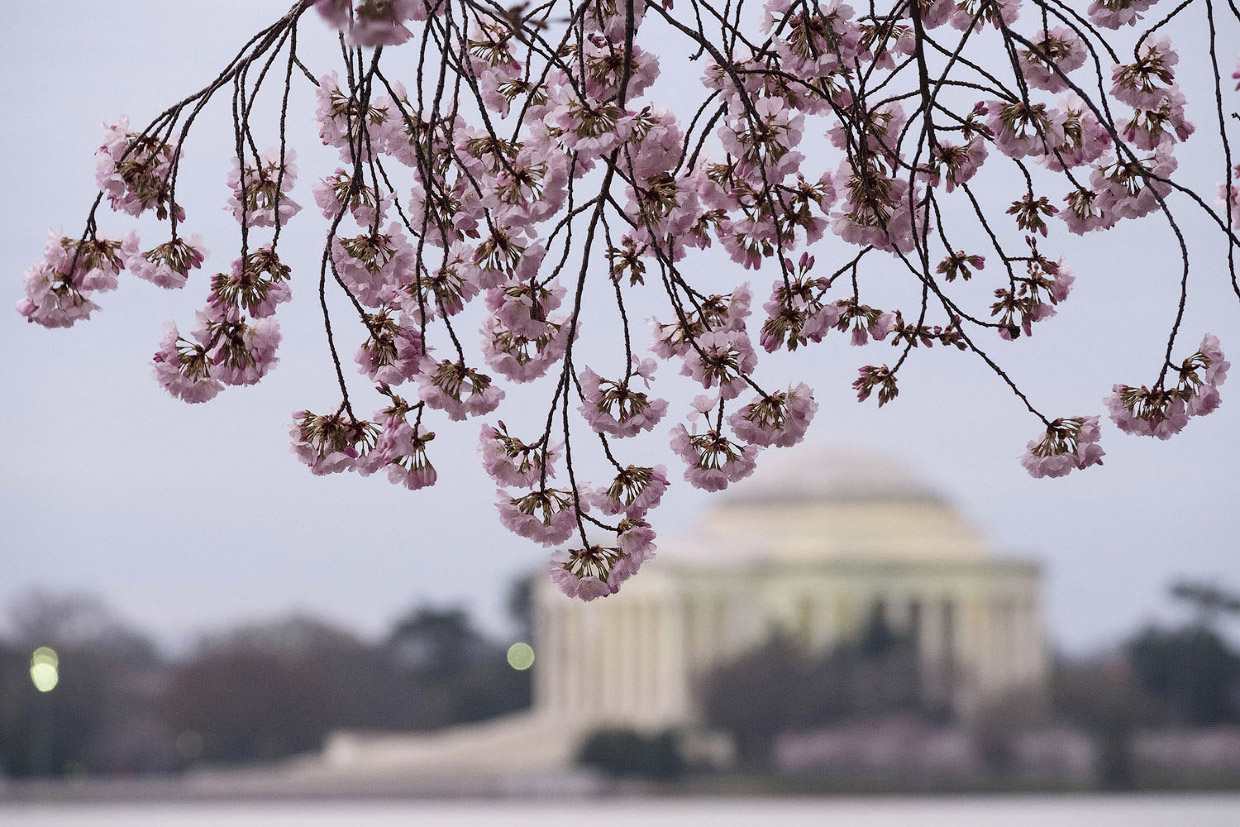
point(653, 658)
point(549, 675)
point(971, 654)
point(630, 652)
point(674, 668)
point(1033, 656)
point(608, 644)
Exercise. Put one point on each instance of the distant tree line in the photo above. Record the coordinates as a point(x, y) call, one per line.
point(263, 692)
point(256, 693)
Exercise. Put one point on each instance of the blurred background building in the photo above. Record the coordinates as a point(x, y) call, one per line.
point(823, 550)
point(821, 547)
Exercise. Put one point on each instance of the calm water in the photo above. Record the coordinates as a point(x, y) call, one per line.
point(1050, 811)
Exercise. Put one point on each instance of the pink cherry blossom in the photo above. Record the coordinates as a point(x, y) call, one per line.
point(1127, 190)
point(817, 38)
point(582, 573)
point(1068, 444)
point(634, 491)
point(712, 461)
point(263, 187)
point(1148, 81)
point(873, 210)
point(1201, 375)
point(722, 313)
point(614, 408)
point(1084, 212)
point(1022, 129)
point(444, 288)
point(60, 286)
point(589, 130)
point(1205, 401)
point(374, 265)
point(597, 570)
point(381, 22)
point(722, 359)
point(331, 443)
point(1149, 129)
point(1146, 412)
point(183, 368)
point(255, 287)
point(168, 264)
point(971, 14)
point(331, 193)
point(509, 461)
point(400, 450)
point(1115, 13)
point(655, 144)
point(458, 390)
point(241, 350)
point(796, 312)
point(341, 119)
point(52, 300)
point(864, 321)
point(522, 306)
point(781, 418)
point(636, 541)
point(393, 353)
point(546, 516)
point(1216, 364)
point(522, 359)
point(957, 164)
point(133, 171)
point(1061, 49)
point(1085, 139)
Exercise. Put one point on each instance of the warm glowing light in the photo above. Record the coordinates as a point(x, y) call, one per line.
point(45, 654)
point(520, 656)
point(45, 669)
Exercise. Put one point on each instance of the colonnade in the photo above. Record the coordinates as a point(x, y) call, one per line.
point(633, 660)
point(619, 663)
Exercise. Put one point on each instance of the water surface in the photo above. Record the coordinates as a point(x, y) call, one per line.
point(1022, 811)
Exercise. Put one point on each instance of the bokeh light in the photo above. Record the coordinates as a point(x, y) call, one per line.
point(45, 669)
point(520, 656)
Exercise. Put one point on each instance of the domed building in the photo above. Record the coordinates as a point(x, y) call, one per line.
point(818, 544)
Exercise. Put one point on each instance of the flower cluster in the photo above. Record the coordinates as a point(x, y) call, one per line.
point(1163, 412)
point(331, 443)
point(400, 448)
point(376, 22)
point(528, 179)
point(134, 170)
point(598, 571)
point(60, 286)
point(1068, 444)
point(260, 190)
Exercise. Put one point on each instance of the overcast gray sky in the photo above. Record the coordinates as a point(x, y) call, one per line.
point(188, 518)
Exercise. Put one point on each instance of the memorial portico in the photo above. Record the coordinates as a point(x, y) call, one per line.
point(813, 546)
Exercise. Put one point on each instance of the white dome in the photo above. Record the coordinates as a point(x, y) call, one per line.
point(829, 503)
point(829, 474)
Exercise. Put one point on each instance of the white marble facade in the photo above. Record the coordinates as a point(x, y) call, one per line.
point(811, 546)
